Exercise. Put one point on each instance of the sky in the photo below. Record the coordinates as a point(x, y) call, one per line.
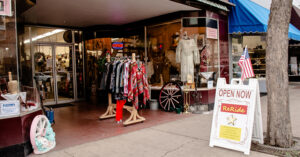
point(267, 3)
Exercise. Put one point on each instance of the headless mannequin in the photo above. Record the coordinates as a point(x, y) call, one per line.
point(187, 54)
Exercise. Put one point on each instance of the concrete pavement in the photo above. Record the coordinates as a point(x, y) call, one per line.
point(187, 137)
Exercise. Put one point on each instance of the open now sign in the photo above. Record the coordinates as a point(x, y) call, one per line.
point(237, 115)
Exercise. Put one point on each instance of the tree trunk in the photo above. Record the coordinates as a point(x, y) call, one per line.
point(279, 130)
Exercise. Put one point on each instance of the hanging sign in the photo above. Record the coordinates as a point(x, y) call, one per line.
point(211, 33)
point(117, 45)
point(237, 115)
point(5, 8)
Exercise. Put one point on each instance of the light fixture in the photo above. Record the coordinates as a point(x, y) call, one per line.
point(44, 35)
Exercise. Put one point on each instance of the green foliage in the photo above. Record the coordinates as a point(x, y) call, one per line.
point(292, 154)
point(101, 64)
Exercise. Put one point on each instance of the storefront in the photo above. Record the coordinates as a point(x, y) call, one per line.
point(155, 42)
point(67, 51)
point(248, 26)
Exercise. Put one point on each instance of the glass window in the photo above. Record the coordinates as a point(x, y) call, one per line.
point(39, 35)
point(25, 58)
point(97, 48)
point(8, 57)
point(162, 41)
point(294, 62)
point(256, 45)
point(196, 33)
point(79, 63)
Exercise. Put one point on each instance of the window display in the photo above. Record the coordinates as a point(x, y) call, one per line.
point(256, 47)
point(15, 100)
point(184, 50)
point(205, 33)
point(187, 53)
point(162, 41)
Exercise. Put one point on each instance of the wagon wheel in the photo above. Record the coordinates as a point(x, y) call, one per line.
point(170, 96)
point(40, 133)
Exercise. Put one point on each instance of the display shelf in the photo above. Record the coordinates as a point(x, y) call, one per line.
point(258, 62)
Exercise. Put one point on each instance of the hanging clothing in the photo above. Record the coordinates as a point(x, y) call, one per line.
point(187, 54)
point(105, 79)
point(122, 77)
point(138, 84)
point(119, 92)
point(126, 77)
point(113, 76)
point(150, 69)
point(118, 73)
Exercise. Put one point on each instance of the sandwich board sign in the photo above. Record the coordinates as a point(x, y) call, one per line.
point(237, 115)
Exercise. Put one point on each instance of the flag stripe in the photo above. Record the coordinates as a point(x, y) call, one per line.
point(246, 65)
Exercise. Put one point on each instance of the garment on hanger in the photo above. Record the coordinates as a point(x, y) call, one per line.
point(122, 77)
point(105, 80)
point(126, 77)
point(150, 69)
point(187, 54)
point(138, 84)
point(113, 76)
point(118, 73)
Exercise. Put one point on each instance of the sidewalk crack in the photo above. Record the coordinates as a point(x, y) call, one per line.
point(69, 154)
point(173, 133)
point(175, 149)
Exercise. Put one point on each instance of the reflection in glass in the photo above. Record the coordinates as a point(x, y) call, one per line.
point(43, 66)
point(64, 72)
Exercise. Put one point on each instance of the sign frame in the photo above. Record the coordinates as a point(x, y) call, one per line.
point(244, 124)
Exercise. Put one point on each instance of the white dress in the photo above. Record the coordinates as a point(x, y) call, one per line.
point(187, 54)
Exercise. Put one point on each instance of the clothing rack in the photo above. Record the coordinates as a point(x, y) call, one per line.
point(134, 115)
point(113, 108)
point(110, 112)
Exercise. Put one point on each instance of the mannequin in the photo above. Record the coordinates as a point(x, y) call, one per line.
point(187, 54)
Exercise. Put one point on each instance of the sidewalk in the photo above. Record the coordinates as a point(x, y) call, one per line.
point(187, 137)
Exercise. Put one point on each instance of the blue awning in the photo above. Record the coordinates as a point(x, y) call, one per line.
point(249, 17)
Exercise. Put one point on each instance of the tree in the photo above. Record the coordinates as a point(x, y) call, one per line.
point(279, 129)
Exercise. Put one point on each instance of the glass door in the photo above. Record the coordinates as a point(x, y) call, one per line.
point(43, 67)
point(54, 63)
point(64, 73)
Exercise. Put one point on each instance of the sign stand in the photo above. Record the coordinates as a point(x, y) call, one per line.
point(237, 115)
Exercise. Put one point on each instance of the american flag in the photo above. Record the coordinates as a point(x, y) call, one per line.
point(246, 66)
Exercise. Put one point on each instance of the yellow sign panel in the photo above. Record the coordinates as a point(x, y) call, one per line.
point(230, 133)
